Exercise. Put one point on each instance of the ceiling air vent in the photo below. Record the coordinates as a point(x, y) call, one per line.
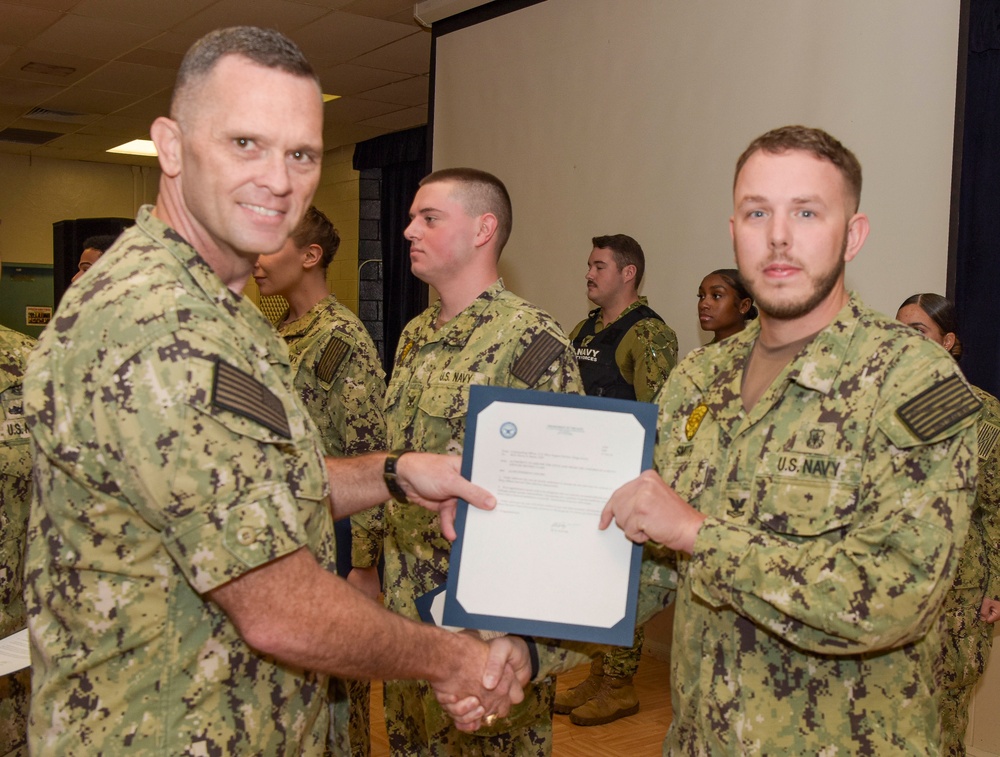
point(28, 136)
point(62, 116)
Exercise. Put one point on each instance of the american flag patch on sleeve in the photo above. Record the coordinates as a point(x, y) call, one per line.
point(936, 409)
point(535, 360)
point(241, 393)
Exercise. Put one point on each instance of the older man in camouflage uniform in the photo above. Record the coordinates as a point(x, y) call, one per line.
point(180, 585)
point(15, 500)
point(341, 384)
point(815, 477)
point(478, 333)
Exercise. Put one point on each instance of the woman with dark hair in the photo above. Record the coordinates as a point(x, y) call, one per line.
point(973, 603)
point(724, 304)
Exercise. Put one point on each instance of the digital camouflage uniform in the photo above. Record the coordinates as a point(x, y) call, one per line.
point(170, 458)
point(15, 500)
point(806, 616)
point(341, 384)
point(966, 640)
point(498, 340)
point(645, 357)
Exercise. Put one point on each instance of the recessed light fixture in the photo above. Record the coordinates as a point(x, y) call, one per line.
point(136, 147)
point(328, 98)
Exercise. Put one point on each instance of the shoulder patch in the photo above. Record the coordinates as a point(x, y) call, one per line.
point(330, 360)
point(988, 434)
point(241, 393)
point(535, 360)
point(938, 408)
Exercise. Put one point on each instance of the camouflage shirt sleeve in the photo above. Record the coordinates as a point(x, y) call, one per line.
point(653, 354)
point(236, 487)
point(341, 382)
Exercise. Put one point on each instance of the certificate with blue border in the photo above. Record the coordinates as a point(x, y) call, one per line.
point(537, 565)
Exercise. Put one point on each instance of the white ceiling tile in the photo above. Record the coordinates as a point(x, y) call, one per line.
point(92, 37)
point(25, 93)
point(83, 100)
point(412, 91)
point(21, 24)
point(348, 79)
point(278, 14)
point(353, 110)
point(400, 119)
point(339, 37)
point(383, 9)
point(160, 15)
point(411, 55)
point(130, 77)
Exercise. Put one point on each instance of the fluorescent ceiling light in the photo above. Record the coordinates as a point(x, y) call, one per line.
point(136, 147)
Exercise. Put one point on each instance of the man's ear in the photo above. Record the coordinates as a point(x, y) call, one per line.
point(486, 229)
point(166, 135)
point(628, 272)
point(312, 256)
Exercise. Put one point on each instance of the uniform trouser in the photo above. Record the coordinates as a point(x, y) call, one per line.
point(966, 643)
point(15, 693)
point(350, 719)
point(412, 735)
point(623, 662)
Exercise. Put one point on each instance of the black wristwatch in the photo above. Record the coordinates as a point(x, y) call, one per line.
point(391, 477)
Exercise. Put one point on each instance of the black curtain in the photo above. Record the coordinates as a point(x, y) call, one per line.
point(402, 158)
point(978, 261)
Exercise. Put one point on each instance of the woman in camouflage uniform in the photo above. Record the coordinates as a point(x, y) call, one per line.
point(973, 604)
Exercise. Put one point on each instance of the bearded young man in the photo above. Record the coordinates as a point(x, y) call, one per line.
point(814, 478)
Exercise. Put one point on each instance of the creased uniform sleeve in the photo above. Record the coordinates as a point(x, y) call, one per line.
point(221, 487)
point(655, 355)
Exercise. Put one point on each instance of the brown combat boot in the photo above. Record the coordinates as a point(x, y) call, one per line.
point(615, 699)
point(570, 699)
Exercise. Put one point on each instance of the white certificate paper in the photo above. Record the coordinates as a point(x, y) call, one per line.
point(15, 653)
point(537, 564)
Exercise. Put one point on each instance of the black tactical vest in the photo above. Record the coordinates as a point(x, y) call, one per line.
point(600, 372)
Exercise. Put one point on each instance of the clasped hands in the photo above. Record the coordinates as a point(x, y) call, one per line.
point(488, 682)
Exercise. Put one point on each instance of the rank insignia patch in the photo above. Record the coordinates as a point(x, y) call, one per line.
point(694, 421)
point(938, 408)
point(241, 393)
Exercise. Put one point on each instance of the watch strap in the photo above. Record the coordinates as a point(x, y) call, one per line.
point(391, 477)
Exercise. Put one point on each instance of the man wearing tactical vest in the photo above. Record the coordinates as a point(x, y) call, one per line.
point(624, 350)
